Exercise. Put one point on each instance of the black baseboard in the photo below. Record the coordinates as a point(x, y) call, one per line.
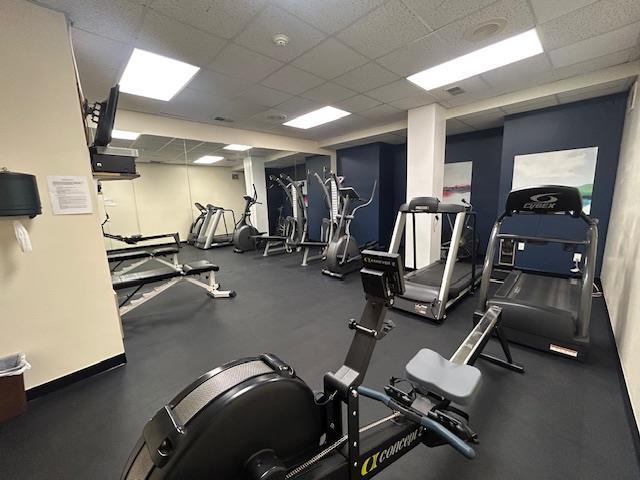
point(74, 377)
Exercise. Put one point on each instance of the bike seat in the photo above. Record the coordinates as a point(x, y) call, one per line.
point(431, 372)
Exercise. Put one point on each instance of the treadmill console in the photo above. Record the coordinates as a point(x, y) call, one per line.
point(382, 274)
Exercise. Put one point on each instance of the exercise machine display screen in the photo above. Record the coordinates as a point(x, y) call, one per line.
point(382, 274)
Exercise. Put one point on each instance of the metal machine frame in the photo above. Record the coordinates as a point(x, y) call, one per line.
point(436, 309)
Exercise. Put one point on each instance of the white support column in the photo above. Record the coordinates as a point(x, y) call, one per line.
point(254, 175)
point(426, 136)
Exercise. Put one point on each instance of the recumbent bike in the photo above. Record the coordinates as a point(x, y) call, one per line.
point(255, 419)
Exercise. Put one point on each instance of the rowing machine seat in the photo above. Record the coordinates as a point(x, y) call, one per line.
point(200, 266)
point(137, 279)
point(431, 372)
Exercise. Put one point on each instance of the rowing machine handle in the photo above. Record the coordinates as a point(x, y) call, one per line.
point(460, 445)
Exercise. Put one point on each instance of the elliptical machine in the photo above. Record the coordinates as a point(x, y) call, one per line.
point(255, 419)
point(343, 252)
point(244, 234)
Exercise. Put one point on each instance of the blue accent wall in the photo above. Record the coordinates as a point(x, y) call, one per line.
point(595, 122)
point(484, 149)
point(364, 165)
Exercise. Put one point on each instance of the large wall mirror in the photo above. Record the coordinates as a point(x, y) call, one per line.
point(178, 178)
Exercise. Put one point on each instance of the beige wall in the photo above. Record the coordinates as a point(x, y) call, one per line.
point(621, 263)
point(56, 303)
point(161, 200)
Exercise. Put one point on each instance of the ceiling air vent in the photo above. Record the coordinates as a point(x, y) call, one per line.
point(223, 119)
point(455, 91)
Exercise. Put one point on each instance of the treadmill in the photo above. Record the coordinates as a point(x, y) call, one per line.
point(431, 290)
point(546, 311)
point(207, 236)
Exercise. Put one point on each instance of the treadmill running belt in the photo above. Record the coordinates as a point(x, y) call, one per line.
point(424, 284)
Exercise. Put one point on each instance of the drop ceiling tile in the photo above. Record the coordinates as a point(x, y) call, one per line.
point(366, 77)
point(634, 54)
point(258, 36)
point(473, 87)
point(329, 16)
point(292, 80)
point(610, 42)
point(240, 62)
point(419, 55)
point(214, 83)
point(224, 18)
point(116, 19)
point(357, 104)
point(383, 113)
point(438, 13)
point(592, 65)
point(330, 59)
point(595, 19)
point(483, 120)
point(202, 107)
point(166, 36)
point(298, 106)
point(328, 93)
point(140, 104)
point(517, 13)
point(456, 127)
point(593, 91)
point(96, 80)
point(395, 91)
point(263, 96)
point(338, 127)
point(529, 105)
point(413, 102)
point(100, 51)
point(518, 75)
point(383, 30)
point(547, 10)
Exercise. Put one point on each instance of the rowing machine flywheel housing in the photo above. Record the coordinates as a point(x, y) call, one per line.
point(214, 427)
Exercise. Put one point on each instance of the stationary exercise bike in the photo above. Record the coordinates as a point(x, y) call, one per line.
point(343, 252)
point(255, 419)
point(244, 234)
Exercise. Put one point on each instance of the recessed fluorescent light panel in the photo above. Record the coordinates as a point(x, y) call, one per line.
point(208, 159)
point(154, 76)
point(317, 117)
point(124, 135)
point(499, 54)
point(237, 148)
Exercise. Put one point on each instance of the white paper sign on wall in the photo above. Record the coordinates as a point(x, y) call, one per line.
point(69, 195)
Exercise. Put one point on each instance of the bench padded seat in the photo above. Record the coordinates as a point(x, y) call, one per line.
point(200, 266)
point(127, 255)
point(137, 279)
point(431, 372)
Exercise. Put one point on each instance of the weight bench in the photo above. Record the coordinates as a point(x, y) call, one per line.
point(275, 244)
point(143, 256)
point(170, 276)
point(307, 246)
